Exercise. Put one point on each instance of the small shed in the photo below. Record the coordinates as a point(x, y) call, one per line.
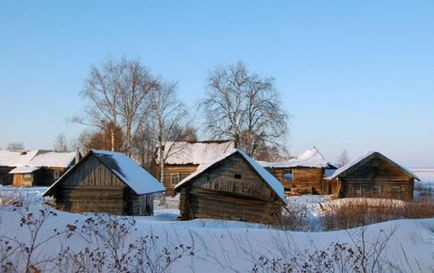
point(104, 181)
point(24, 176)
point(232, 187)
point(374, 175)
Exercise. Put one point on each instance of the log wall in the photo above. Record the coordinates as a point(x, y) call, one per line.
point(92, 187)
point(219, 194)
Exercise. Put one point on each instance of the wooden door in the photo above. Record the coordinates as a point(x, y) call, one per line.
point(18, 180)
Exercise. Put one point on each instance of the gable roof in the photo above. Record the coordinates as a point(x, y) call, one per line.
point(128, 171)
point(53, 159)
point(16, 159)
point(197, 153)
point(311, 158)
point(267, 177)
point(23, 169)
point(36, 158)
point(358, 160)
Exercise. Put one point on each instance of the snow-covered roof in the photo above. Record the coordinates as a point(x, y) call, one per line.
point(126, 169)
point(357, 160)
point(23, 169)
point(267, 177)
point(201, 152)
point(53, 159)
point(311, 158)
point(16, 159)
point(36, 158)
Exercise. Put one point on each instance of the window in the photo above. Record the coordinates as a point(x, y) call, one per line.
point(56, 175)
point(237, 176)
point(288, 176)
point(174, 177)
point(27, 176)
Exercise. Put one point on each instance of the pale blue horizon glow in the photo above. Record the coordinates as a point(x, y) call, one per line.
point(354, 75)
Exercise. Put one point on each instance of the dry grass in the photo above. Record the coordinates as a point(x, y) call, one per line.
point(355, 212)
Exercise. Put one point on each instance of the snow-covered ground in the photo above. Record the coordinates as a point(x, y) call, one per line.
point(231, 246)
point(425, 187)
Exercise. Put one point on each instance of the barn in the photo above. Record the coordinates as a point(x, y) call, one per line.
point(108, 182)
point(182, 158)
point(374, 175)
point(232, 187)
point(303, 174)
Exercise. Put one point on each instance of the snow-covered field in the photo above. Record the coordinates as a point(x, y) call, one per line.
point(231, 246)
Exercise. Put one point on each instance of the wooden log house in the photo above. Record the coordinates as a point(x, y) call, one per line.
point(374, 175)
point(182, 158)
point(304, 174)
point(107, 182)
point(232, 187)
point(34, 168)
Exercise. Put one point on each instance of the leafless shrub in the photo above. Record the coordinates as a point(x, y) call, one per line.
point(110, 248)
point(23, 254)
point(363, 211)
point(363, 254)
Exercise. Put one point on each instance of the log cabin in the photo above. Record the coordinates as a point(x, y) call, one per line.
point(374, 175)
point(182, 158)
point(106, 182)
point(232, 187)
point(303, 174)
point(35, 167)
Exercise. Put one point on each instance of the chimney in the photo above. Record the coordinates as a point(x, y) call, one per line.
point(77, 155)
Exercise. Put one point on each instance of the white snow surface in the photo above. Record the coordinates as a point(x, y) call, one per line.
point(16, 159)
point(230, 246)
point(23, 169)
point(272, 181)
point(53, 159)
point(36, 158)
point(362, 157)
point(311, 158)
point(197, 153)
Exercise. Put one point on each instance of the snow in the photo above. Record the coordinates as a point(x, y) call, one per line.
point(32, 195)
point(36, 158)
point(15, 159)
point(53, 159)
point(230, 246)
point(311, 158)
point(182, 152)
point(364, 156)
point(23, 169)
point(274, 184)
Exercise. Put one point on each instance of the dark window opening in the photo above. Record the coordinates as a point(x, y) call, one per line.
point(237, 176)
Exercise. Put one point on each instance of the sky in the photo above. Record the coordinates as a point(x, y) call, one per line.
point(355, 75)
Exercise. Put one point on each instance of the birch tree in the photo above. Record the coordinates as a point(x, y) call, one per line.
point(169, 115)
point(102, 90)
point(244, 107)
point(117, 95)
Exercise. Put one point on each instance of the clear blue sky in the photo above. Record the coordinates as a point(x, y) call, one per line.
point(354, 74)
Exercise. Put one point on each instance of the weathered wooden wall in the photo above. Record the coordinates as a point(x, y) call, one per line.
point(304, 180)
point(5, 178)
point(377, 178)
point(92, 187)
point(182, 170)
point(46, 175)
point(217, 194)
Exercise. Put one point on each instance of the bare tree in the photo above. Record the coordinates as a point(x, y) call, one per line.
point(60, 144)
point(244, 107)
point(15, 147)
point(169, 115)
point(343, 158)
point(118, 94)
